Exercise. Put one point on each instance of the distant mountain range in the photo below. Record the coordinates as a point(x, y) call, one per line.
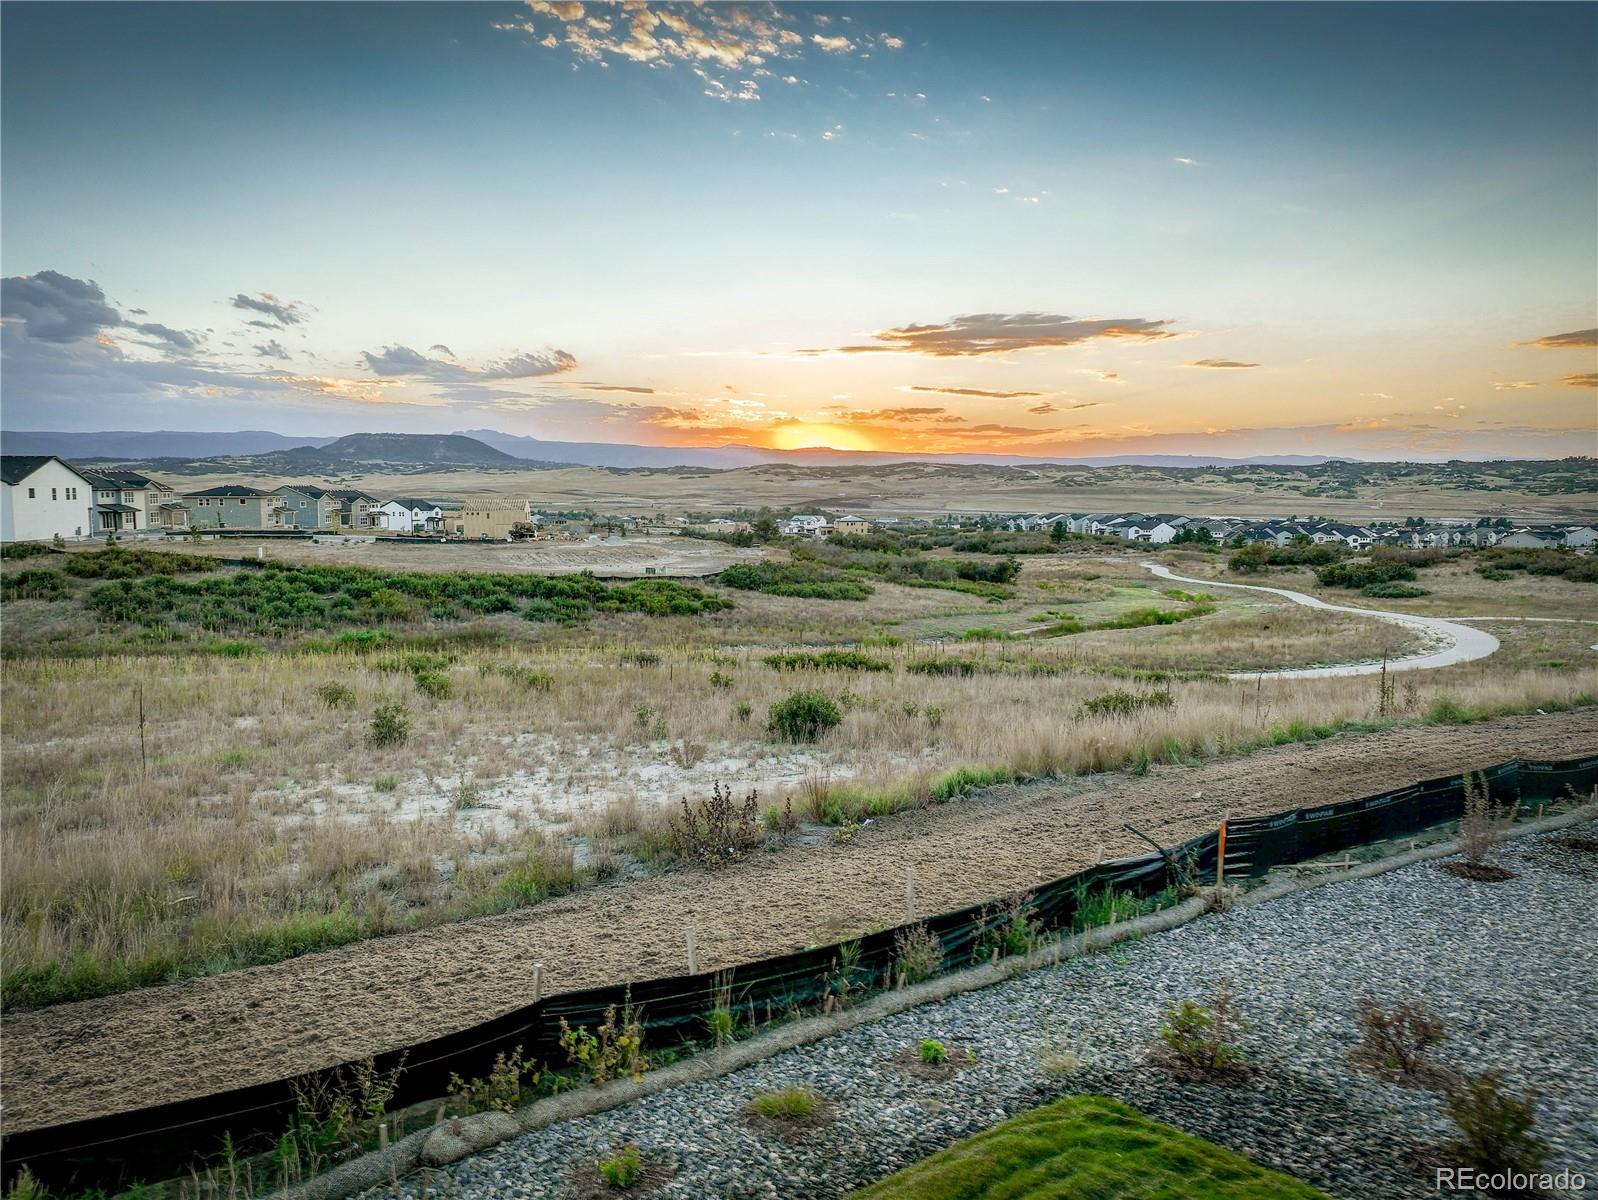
point(264, 452)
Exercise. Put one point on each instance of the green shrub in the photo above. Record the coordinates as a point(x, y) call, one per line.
point(808, 579)
point(335, 695)
point(1494, 1125)
point(804, 716)
point(39, 583)
point(984, 634)
point(1125, 704)
point(932, 1052)
point(25, 549)
point(826, 660)
point(391, 726)
point(1445, 710)
point(948, 666)
point(621, 1170)
point(1357, 574)
point(1393, 590)
point(1202, 1039)
point(434, 684)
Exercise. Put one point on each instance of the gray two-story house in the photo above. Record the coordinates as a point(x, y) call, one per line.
point(306, 506)
point(234, 506)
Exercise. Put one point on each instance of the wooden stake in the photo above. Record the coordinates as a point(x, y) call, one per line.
point(693, 954)
point(538, 982)
point(910, 894)
point(1220, 856)
point(144, 761)
point(1099, 856)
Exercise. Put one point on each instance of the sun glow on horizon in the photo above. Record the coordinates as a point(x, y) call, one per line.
point(809, 436)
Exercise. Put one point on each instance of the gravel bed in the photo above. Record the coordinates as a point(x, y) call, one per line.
point(1512, 967)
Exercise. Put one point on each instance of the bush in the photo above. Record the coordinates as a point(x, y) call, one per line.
point(1356, 574)
point(1393, 590)
point(39, 583)
point(826, 660)
point(621, 1169)
point(615, 1047)
point(1481, 830)
point(391, 726)
point(804, 716)
point(948, 666)
point(806, 579)
point(335, 695)
point(933, 1052)
point(1202, 1040)
point(1445, 710)
point(1396, 1040)
point(1125, 704)
point(434, 684)
point(1494, 1125)
point(25, 549)
point(716, 831)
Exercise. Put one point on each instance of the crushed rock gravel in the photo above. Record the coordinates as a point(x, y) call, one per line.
point(1512, 967)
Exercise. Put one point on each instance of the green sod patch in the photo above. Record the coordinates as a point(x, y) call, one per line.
point(1086, 1148)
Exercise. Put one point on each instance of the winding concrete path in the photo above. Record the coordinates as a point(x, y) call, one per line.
point(1464, 644)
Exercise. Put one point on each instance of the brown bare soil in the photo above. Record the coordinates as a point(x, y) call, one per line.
point(206, 1035)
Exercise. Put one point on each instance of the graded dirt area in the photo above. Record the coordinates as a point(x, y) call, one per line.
point(205, 1035)
point(608, 557)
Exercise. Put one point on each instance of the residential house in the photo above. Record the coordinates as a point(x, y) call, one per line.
point(355, 507)
point(491, 519)
point(308, 506)
point(1352, 536)
point(854, 525)
point(1534, 537)
point(43, 497)
point(127, 500)
point(234, 506)
point(806, 525)
point(1581, 537)
point(409, 514)
point(1218, 529)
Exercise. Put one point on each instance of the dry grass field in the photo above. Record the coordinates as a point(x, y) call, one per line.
point(937, 488)
point(609, 557)
point(252, 817)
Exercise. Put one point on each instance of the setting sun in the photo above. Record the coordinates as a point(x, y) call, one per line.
point(807, 435)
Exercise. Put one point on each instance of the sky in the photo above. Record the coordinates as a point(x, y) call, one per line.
point(1032, 229)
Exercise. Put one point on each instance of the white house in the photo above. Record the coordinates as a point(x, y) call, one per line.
point(43, 498)
point(1581, 537)
point(1533, 538)
point(806, 525)
point(407, 514)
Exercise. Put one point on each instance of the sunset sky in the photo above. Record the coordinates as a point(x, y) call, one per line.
point(1033, 230)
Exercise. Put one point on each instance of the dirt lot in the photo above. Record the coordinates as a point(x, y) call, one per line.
point(611, 557)
point(73, 1061)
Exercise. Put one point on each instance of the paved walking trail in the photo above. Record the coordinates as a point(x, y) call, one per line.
point(1462, 643)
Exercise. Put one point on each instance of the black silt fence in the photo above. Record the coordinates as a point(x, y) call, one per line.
point(164, 1141)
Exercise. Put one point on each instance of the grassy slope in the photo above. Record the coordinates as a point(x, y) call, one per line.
point(1086, 1148)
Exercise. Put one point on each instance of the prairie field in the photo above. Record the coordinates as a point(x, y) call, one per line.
point(182, 799)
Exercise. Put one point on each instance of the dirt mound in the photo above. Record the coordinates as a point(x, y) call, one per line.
point(205, 1035)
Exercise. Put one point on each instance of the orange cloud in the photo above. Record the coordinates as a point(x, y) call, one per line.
point(1575, 339)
